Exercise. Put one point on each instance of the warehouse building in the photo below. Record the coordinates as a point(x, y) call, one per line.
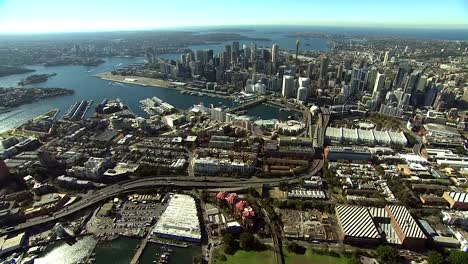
point(334, 153)
point(392, 224)
point(365, 137)
point(355, 232)
point(180, 220)
point(408, 231)
point(457, 200)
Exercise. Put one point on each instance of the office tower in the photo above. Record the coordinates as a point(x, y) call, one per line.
point(209, 55)
point(288, 86)
point(386, 58)
point(403, 71)
point(274, 54)
point(379, 84)
point(305, 82)
point(228, 51)
point(247, 51)
point(302, 94)
point(200, 56)
point(422, 83)
point(236, 47)
point(371, 77)
point(235, 51)
point(191, 55)
point(183, 58)
point(323, 67)
point(298, 43)
point(410, 86)
point(339, 72)
point(253, 54)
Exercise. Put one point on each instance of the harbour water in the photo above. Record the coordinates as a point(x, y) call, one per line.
point(87, 87)
point(118, 251)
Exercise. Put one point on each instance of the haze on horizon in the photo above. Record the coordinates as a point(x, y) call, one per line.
point(33, 16)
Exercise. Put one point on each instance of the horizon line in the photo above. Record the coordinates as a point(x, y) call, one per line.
point(448, 27)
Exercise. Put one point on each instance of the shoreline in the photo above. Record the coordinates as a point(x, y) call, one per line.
point(153, 82)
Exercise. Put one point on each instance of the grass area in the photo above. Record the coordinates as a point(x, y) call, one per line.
point(311, 258)
point(248, 257)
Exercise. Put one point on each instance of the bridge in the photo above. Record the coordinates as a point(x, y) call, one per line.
point(320, 130)
point(247, 105)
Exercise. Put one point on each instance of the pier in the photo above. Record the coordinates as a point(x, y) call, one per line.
point(141, 248)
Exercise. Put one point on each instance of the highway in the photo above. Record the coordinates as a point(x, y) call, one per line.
point(212, 183)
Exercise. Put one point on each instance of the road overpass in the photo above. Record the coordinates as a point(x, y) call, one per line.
point(182, 182)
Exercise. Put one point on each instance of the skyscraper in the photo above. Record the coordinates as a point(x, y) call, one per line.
point(288, 86)
point(228, 51)
point(323, 67)
point(305, 82)
point(386, 58)
point(253, 54)
point(274, 54)
point(379, 84)
point(235, 51)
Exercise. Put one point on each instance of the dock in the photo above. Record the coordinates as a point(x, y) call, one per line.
point(140, 249)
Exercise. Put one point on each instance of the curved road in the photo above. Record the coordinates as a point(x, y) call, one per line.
point(174, 182)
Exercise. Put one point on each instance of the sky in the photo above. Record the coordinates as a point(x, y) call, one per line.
point(34, 16)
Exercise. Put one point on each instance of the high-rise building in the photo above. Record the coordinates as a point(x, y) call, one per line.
point(305, 82)
point(288, 86)
point(274, 54)
point(422, 83)
point(323, 67)
point(386, 58)
point(253, 54)
point(339, 72)
point(379, 84)
point(410, 86)
point(228, 51)
point(302, 94)
point(235, 51)
point(403, 71)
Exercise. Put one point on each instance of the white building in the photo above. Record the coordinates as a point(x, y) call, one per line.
point(91, 169)
point(179, 220)
point(288, 86)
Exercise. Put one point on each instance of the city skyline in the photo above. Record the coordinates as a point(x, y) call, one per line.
point(26, 16)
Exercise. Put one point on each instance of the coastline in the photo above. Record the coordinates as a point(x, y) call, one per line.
point(153, 82)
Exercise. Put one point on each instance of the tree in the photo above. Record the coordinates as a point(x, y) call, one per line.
point(458, 257)
point(247, 241)
point(229, 239)
point(388, 254)
point(197, 259)
point(354, 261)
point(204, 196)
point(229, 249)
point(296, 248)
point(434, 257)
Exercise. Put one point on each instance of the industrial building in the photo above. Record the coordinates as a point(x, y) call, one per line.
point(408, 231)
point(10, 244)
point(211, 166)
point(334, 153)
point(441, 135)
point(393, 224)
point(359, 232)
point(457, 200)
point(179, 220)
point(365, 137)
